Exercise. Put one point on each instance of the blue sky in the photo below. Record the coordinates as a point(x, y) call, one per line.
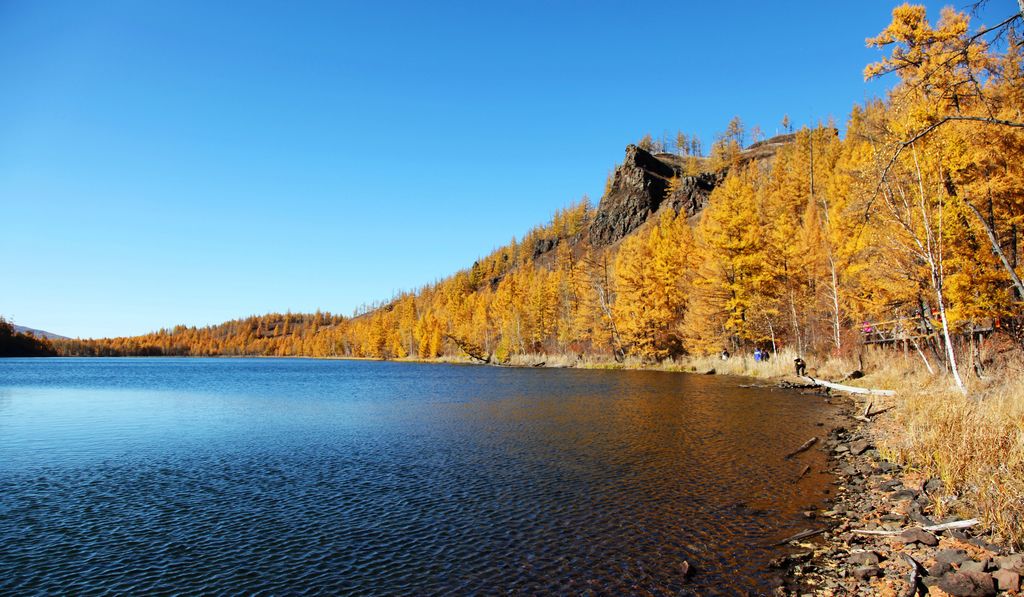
point(193, 162)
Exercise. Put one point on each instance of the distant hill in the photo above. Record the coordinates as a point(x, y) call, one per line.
point(38, 333)
point(14, 343)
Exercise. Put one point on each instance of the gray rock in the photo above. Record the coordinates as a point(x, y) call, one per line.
point(951, 556)
point(863, 558)
point(859, 447)
point(891, 485)
point(968, 584)
point(887, 467)
point(903, 494)
point(973, 566)
point(917, 535)
point(1006, 580)
point(939, 569)
point(867, 572)
point(1013, 562)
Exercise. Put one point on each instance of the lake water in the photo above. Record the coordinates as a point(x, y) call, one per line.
point(298, 476)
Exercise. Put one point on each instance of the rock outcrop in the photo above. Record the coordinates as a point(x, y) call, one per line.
point(691, 196)
point(640, 186)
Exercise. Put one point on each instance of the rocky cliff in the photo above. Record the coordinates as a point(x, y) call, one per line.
point(640, 187)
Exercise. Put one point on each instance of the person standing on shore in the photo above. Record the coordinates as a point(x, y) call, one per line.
point(801, 367)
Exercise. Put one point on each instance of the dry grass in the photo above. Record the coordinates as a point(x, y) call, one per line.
point(975, 444)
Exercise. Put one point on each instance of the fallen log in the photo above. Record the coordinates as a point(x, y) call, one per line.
point(806, 446)
point(849, 389)
point(799, 536)
point(803, 473)
point(946, 526)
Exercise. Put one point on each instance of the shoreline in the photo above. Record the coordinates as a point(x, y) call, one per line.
point(895, 505)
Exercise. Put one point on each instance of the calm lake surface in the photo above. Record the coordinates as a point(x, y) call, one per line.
point(307, 476)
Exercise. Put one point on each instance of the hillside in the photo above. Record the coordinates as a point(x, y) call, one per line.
point(904, 231)
point(16, 343)
point(38, 333)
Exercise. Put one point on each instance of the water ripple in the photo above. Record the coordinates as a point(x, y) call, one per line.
point(381, 479)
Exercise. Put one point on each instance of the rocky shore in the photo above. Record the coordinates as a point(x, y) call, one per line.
point(890, 531)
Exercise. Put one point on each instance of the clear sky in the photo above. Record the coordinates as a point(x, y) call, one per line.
point(197, 161)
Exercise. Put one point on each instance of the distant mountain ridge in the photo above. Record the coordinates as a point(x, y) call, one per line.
point(39, 333)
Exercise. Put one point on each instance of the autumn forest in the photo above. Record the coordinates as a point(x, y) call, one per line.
point(904, 228)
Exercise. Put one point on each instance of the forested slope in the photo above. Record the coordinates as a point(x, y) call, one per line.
point(805, 241)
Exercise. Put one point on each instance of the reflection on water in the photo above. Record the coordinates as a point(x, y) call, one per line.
point(143, 475)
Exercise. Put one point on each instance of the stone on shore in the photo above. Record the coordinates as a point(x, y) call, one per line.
point(968, 584)
point(951, 556)
point(918, 535)
point(1007, 580)
point(1014, 563)
point(867, 572)
point(863, 558)
point(972, 566)
point(859, 447)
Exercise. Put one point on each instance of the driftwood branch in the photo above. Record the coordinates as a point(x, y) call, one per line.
point(946, 526)
point(915, 575)
point(850, 389)
point(799, 536)
point(806, 446)
point(867, 419)
point(803, 473)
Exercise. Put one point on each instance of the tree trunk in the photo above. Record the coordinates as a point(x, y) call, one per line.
point(991, 233)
